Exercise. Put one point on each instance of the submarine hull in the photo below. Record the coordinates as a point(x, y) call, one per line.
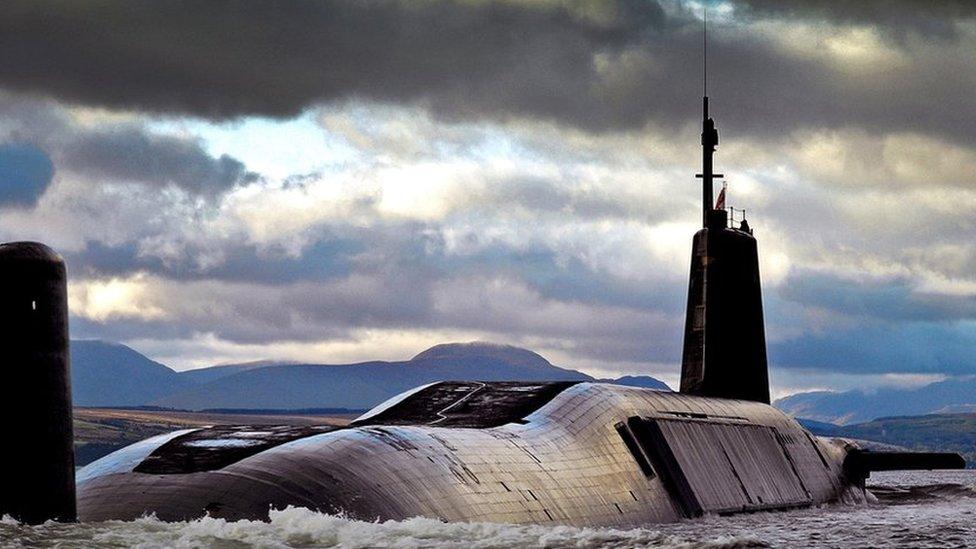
point(583, 454)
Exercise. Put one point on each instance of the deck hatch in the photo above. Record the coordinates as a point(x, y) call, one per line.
point(470, 404)
point(216, 447)
point(720, 467)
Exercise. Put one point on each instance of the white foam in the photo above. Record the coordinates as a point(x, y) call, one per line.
point(943, 517)
point(295, 527)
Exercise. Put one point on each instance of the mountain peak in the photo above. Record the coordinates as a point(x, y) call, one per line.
point(104, 373)
point(102, 349)
point(509, 354)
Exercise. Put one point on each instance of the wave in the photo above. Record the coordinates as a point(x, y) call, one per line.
point(297, 527)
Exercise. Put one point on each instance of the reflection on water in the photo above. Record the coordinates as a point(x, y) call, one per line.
point(918, 509)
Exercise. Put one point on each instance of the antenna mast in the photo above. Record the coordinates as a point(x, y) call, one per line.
point(709, 136)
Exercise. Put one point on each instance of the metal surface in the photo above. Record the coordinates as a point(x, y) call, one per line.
point(709, 140)
point(725, 340)
point(468, 404)
point(564, 462)
point(37, 466)
point(216, 447)
point(859, 464)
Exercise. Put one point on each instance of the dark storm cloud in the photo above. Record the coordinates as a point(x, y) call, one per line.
point(569, 280)
point(133, 154)
point(224, 59)
point(602, 65)
point(25, 173)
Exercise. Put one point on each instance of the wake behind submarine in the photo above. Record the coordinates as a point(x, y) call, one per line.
point(582, 454)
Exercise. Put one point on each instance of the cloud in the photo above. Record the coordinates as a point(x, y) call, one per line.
point(25, 173)
point(271, 58)
point(939, 18)
point(875, 299)
point(511, 256)
point(853, 159)
point(105, 150)
point(601, 66)
point(490, 306)
point(131, 154)
point(520, 232)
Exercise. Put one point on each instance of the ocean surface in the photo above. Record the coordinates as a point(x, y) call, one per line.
point(917, 509)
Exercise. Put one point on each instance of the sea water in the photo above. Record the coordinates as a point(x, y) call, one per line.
point(917, 509)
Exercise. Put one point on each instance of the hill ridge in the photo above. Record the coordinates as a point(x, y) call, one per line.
point(856, 406)
point(286, 385)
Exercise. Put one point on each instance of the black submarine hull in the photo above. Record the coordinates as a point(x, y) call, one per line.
point(583, 454)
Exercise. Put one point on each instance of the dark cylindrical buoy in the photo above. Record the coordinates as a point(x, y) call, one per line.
point(37, 477)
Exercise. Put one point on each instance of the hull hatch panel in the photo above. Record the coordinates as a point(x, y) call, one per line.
point(713, 467)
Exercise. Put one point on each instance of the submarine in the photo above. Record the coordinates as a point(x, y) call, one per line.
point(570, 453)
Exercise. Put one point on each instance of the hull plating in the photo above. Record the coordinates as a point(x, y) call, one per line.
point(591, 455)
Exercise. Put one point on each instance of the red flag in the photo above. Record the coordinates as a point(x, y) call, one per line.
point(720, 203)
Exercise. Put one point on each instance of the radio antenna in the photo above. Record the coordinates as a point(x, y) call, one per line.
point(709, 136)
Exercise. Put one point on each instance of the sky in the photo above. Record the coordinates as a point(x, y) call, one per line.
point(338, 181)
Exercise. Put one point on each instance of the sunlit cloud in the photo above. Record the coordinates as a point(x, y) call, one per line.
point(114, 299)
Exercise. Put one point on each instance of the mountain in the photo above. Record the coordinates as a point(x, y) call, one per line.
point(110, 374)
point(360, 386)
point(485, 354)
point(934, 432)
point(951, 395)
point(205, 375)
point(819, 427)
point(647, 382)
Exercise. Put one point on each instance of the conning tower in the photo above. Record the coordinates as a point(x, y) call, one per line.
point(37, 469)
point(725, 341)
